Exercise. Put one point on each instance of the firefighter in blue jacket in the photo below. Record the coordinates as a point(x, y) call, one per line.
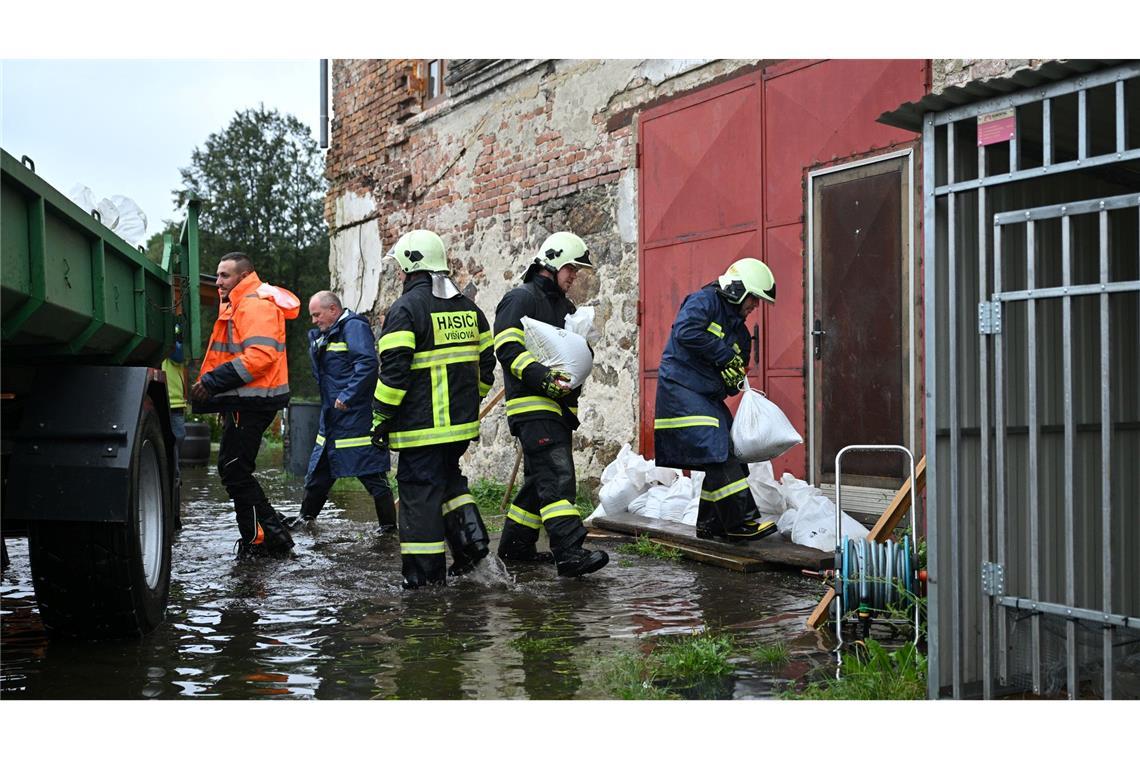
point(542, 411)
point(344, 364)
point(437, 362)
point(704, 363)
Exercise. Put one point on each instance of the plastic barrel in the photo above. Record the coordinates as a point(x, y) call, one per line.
point(195, 449)
point(301, 433)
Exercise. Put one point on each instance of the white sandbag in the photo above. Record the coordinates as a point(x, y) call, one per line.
point(559, 349)
point(690, 517)
point(760, 431)
point(131, 224)
point(599, 511)
point(765, 490)
point(616, 496)
point(617, 467)
point(675, 499)
point(697, 481)
point(786, 522)
point(797, 493)
point(581, 323)
point(666, 476)
point(648, 504)
point(815, 525)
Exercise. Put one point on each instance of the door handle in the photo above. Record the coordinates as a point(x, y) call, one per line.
point(817, 338)
point(756, 345)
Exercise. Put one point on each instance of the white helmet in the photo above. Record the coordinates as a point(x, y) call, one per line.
point(746, 277)
point(420, 251)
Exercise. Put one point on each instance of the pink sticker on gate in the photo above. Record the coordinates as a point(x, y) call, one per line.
point(997, 127)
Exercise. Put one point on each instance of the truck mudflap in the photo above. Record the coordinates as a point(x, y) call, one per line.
point(72, 454)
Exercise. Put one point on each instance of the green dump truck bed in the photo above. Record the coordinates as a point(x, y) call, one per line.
point(73, 290)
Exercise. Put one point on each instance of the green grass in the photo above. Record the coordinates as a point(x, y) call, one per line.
point(630, 676)
point(873, 672)
point(644, 547)
point(691, 658)
point(675, 663)
point(771, 655)
point(541, 645)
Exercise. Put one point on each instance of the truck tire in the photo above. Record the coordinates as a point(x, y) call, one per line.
point(111, 580)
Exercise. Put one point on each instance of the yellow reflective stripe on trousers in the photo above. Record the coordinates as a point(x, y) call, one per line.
point(440, 398)
point(524, 404)
point(724, 493)
point(337, 347)
point(524, 518)
point(486, 340)
point(348, 443)
point(560, 508)
point(442, 356)
point(397, 339)
point(521, 362)
point(386, 394)
point(433, 436)
point(510, 334)
point(453, 504)
point(716, 329)
point(484, 389)
point(697, 420)
point(431, 547)
point(320, 440)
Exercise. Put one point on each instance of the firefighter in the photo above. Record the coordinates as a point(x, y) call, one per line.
point(245, 376)
point(343, 357)
point(436, 363)
point(704, 363)
point(542, 411)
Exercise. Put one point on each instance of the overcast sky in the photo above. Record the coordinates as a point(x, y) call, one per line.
point(126, 127)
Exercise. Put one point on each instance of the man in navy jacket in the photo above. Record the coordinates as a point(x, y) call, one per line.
point(704, 363)
point(343, 353)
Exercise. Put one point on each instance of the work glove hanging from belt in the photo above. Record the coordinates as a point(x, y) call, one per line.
point(733, 373)
point(380, 427)
point(556, 384)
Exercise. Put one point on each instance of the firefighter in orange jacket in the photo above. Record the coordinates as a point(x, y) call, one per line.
point(245, 377)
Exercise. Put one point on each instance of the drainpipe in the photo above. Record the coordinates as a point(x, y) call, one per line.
point(324, 103)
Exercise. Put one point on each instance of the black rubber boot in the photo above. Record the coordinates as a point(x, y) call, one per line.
point(467, 537)
point(424, 570)
point(385, 513)
point(576, 561)
point(517, 544)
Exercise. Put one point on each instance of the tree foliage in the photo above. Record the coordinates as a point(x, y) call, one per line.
point(262, 186)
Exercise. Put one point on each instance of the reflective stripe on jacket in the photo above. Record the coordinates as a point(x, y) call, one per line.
point(692, 425)
point(245, 366)
point(436, 363)
point(345, 367)
point(540, 299)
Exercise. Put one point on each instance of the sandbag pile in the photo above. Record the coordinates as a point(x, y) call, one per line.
point(802, 513)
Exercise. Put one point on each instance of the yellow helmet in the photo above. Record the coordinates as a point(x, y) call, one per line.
point(748, 277)
point(563, 248)
point(420, 251)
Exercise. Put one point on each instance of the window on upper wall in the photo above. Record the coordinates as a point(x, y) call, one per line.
point(433, 72)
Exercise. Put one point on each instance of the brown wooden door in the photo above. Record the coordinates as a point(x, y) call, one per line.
point(860, 313)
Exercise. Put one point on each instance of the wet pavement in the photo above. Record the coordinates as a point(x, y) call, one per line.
point(335, 624)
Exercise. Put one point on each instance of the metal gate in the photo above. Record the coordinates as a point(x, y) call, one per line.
point(1031, 259)
point(1021, 314)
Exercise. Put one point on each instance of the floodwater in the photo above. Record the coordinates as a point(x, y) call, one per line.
point(335, 624)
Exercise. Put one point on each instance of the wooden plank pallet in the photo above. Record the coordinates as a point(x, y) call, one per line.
point(746, 557)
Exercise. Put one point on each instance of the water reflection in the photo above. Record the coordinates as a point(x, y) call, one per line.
point(334, 623)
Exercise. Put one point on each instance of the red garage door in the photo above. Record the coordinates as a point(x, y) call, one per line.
point(721, 177)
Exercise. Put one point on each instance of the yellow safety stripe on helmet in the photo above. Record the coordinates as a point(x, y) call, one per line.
point(397, 339)
point(429, 547)
point(560, 508)
point(433, 436)
point(724, 493)
point(337, 347)
point(486, 340)
point(348, 443)
point(441, 356)
point(524, 518)
point(440, 398)
point(484, 389)
point(510, 334)
point(386, 394)
point(524, 404)
point(521, 362)
point(453, 504)
point(697, 420)
point(320, 440)
point(716, 329)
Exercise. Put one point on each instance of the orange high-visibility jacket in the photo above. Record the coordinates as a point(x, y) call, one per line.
point(244, 367)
